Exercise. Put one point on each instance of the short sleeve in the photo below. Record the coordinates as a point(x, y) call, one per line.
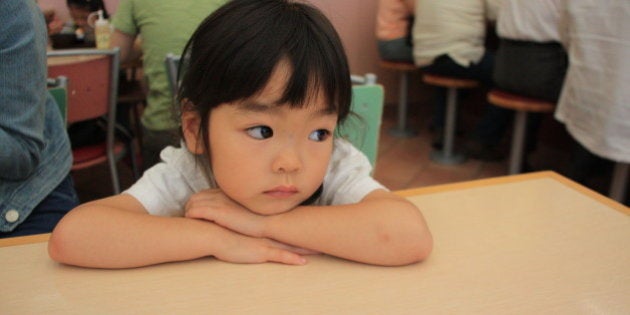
point(165, 188)
point(348, 178)
point(123, 19)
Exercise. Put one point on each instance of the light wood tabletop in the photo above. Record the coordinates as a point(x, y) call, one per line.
point(64, 60)
point(527, 244)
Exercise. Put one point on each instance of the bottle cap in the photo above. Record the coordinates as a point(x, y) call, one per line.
point(101, 20)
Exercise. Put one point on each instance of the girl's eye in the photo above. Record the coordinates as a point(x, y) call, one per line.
point(260, 132)
point(319, 135)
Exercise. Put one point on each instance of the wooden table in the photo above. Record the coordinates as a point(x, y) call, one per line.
point(526, 244)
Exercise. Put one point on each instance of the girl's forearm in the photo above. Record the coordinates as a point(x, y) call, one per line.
point(381, 231)
point(102, 237)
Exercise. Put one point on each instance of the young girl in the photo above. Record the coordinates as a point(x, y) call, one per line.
point(260, 176)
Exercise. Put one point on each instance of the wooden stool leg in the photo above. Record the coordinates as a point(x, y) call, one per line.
point(447, 155)
point(518, 142)
point(401, 130)
point(619, 182)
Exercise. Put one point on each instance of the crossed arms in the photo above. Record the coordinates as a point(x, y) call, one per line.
point(117, 232)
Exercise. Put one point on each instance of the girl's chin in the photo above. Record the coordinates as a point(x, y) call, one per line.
point(270, 209)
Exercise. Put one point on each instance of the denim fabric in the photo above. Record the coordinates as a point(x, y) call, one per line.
point(47, 213)
point(35, 156)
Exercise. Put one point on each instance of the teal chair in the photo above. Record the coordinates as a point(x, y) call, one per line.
point(58, 88)
point(171, 62)
point(363, 125)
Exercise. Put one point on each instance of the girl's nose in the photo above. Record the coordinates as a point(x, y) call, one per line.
point(287, 161)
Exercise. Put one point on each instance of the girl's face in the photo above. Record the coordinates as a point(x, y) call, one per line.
point(267, 156)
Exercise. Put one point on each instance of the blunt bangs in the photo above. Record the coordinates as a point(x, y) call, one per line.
point(234, 51)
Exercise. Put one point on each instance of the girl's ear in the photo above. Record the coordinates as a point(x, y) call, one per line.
point(190, 128)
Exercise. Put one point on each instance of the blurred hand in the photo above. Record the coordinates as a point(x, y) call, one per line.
point(53, 24)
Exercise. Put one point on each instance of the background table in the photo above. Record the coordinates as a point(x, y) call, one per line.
point(526, 244)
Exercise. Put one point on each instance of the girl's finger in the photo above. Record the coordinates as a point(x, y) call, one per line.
point(294, 249)
point(284, 257)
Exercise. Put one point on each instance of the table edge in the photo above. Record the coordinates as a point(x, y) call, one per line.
point(512, 179)
point(22, 240)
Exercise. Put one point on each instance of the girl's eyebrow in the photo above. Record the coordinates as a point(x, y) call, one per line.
point(259, 107)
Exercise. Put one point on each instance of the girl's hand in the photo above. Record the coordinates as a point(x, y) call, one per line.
point(213, 205)
point(244, 249)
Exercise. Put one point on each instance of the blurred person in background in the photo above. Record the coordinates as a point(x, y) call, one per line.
point(448, 40)
point(164, 27)
point(83, 19)
point(530, 60)
point(594, 104)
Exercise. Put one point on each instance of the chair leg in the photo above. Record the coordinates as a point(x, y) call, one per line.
point(114, 173)
point(447, 155)
point(402, 130)
point(619, 182)
point(518, 142)
point(133, 156)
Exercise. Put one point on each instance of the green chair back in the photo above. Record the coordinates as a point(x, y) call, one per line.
point(58, 88)
point(363, 125)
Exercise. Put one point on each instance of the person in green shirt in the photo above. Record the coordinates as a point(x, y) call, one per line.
point(164, 27)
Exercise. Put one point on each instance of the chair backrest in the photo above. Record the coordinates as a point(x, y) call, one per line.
point(363, 125)
point(92, 88)
point(58, 88)
point(362, 128)
point(171, 62)
point(93, 81)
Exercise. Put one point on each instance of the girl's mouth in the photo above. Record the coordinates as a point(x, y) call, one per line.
point(282, 191)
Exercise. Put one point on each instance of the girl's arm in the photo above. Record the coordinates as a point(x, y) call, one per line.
point(382, 229)
point(117, 232)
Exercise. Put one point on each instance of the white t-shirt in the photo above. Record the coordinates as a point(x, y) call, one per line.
point(536, 21)
point(453, 27)
point(165, 188)
point(594, 104)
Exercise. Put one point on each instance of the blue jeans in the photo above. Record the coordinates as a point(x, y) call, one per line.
point(47, 213)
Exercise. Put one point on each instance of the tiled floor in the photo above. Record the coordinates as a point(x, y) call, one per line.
point(404, 162)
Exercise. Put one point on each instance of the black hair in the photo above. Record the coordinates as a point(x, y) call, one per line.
point(234, 51)
point(89, 5)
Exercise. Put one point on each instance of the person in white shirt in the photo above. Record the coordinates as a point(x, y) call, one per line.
point(530, 60)
point(448, 39)
point(393, 29)
point(594, 103)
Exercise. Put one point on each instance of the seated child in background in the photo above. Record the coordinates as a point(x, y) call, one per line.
point(260, 176)
point(82, 24)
